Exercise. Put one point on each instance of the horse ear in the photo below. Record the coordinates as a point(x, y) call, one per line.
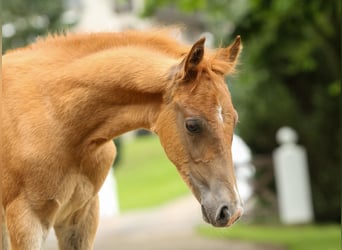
point(232, 52)
point(192, 60)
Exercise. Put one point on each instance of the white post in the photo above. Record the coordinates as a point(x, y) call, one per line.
point(108, 197)
point(292, 179)
point(244, 169)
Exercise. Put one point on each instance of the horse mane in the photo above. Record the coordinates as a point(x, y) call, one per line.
point(162, 40)
point(156, 39)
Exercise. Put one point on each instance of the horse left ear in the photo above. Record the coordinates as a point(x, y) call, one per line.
point(192, 60)
point(232, 52)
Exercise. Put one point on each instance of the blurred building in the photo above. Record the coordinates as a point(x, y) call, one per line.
point(104, 15)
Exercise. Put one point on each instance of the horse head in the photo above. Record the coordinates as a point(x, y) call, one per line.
point(195, 127)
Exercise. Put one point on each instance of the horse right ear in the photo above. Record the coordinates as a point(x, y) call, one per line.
point(190, 64)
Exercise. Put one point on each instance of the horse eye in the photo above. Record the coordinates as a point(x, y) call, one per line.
point(194, 126)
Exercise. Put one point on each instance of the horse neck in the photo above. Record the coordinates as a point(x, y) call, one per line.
point(105, 94)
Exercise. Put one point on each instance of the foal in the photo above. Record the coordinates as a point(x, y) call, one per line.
point(66, 97)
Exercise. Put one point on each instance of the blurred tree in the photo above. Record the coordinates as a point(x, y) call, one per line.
point(22, 21)
point(290, 76)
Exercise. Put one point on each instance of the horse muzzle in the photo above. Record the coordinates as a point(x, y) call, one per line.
point(222, 216)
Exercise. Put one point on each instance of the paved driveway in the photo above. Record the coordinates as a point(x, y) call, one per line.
point(170, 227)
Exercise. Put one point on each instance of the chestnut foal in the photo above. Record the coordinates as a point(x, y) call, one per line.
point(65, 98)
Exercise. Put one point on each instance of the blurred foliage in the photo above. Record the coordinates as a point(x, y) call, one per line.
point(290, 75)
point(22, 21)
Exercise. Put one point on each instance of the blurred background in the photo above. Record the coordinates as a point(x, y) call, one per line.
point(289, 75)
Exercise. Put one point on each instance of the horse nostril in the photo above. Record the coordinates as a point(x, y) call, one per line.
point(223, 216)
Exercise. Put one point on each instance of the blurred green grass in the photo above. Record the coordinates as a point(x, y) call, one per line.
point(308, 237)
point(145, 177)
